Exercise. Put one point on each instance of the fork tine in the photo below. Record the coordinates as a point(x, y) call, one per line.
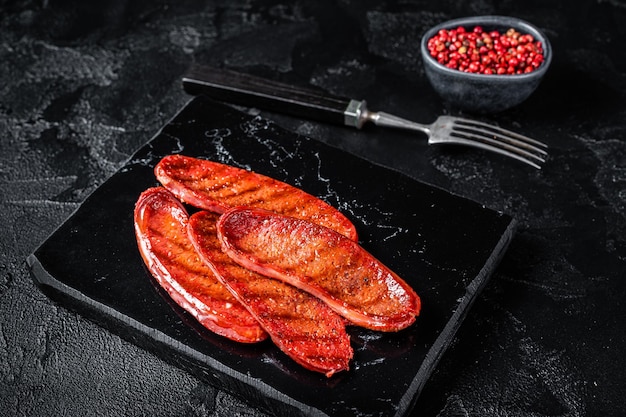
point(512, 152)
point(494, 145)
point(497, 139)
point(506, 135)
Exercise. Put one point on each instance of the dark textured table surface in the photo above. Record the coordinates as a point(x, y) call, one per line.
point(83, 86)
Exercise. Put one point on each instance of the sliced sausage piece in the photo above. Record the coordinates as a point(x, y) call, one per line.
point(161, 231)
point(322, 262)
point(217, 187)
point(302, 326)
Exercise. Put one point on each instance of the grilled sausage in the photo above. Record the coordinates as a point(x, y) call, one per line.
point(322, 262)
point(161, 231)
point(301, 325)
point(217, 187)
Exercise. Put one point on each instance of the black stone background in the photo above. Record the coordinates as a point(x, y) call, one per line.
point(83, 85)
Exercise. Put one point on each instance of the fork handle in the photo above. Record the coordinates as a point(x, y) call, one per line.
point(248, 90)
point(389, 120)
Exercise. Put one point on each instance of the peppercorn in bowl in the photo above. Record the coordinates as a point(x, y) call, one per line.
point(485, 64)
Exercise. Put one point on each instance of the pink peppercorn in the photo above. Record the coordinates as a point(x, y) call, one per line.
point(483, 52)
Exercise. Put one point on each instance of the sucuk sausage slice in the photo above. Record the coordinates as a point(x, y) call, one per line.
point(217, 187)
point(322, 262)
point(300, 325)
point(161, 231)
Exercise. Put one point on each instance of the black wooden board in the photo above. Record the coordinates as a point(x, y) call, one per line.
point(443, 245)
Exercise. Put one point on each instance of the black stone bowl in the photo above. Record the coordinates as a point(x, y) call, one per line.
point(482, 93)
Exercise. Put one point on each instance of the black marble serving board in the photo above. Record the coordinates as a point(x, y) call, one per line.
point(444, 246)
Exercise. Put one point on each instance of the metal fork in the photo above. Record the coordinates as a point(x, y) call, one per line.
point(267, 94)
point(460, 131)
